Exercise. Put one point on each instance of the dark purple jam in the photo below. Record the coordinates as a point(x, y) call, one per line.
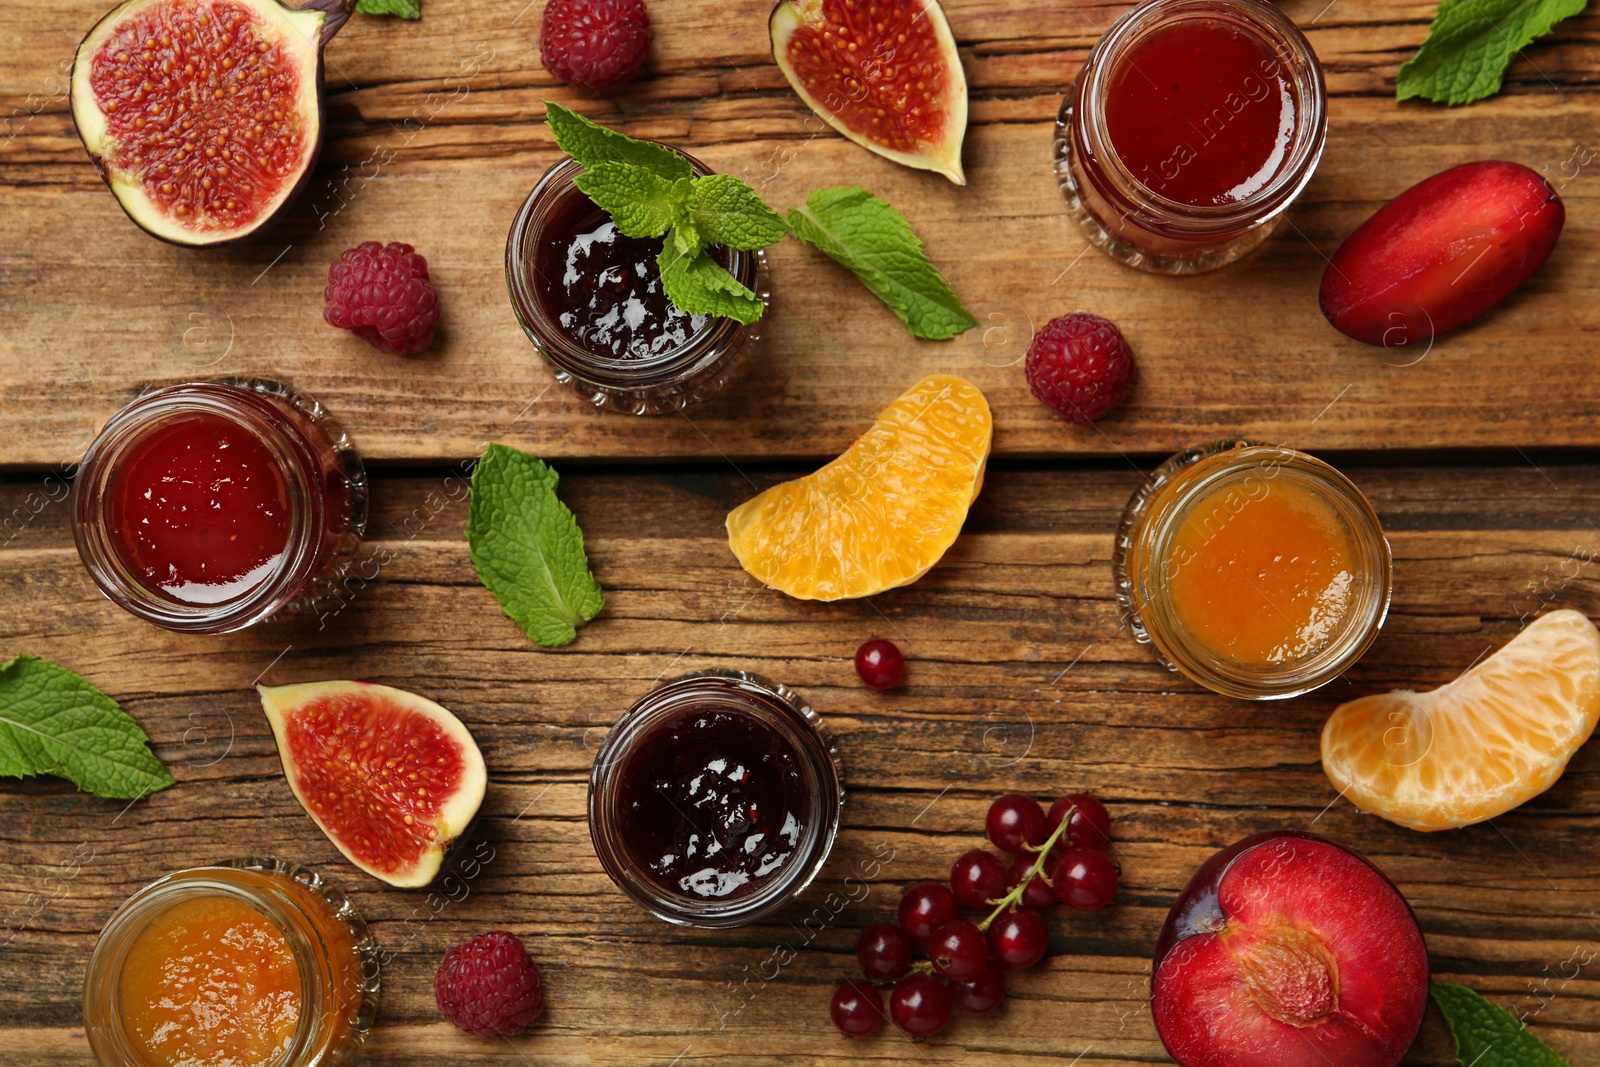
point(713, 802)
point(604, 288)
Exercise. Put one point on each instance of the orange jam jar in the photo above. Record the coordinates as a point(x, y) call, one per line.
point(252, 963)
point(1258, 571)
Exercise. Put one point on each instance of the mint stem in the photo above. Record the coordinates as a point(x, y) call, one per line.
point(1037, 870)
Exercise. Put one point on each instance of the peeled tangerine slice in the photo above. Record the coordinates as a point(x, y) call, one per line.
point(1494, 738)
point(882, 513)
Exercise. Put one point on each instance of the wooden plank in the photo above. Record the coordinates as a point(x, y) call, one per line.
point(1019, 679)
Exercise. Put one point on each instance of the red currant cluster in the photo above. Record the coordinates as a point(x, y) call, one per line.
point(1059, 856)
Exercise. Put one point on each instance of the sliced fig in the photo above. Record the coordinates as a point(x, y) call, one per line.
point(204, 116)
point(1441, 253)
point(392, 778)
point(885, 73)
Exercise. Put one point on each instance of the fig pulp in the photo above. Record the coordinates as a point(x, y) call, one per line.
point(392, 778)
point(885, 73)
point(204, 116)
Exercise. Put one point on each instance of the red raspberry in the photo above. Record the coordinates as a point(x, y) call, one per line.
point(594, 44)
point(382, 294)
point(489, 986)
point(1080, 365)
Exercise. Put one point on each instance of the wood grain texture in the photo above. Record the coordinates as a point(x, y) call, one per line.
point(1019, 679)
point(436, 136)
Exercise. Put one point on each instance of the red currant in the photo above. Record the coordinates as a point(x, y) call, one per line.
point(1014, 821)
point(920, 1005)
point(1018, 939)
point(1090, 826)
point(977, 878)
point(1085, 878)
point(857, 1008)
point(983, 992)
point(958, 950)
point(1038, 896)
point(880, 664)
point(885, 951)
point(925, 907)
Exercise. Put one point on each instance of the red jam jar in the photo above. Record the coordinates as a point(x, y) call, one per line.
point(716, 799)
point(1193, 126)
point(210, 506)
point(590, 300)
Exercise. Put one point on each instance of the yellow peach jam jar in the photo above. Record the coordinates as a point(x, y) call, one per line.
point(251, 963)
point(1256, 570)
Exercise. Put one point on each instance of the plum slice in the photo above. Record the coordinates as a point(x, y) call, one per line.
point(1287, 950)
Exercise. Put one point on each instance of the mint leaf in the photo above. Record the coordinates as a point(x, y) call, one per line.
point(527, 547)
point(867, 235)
point(1472, 42)
point(699, 285)
point(1487, 1035)
point(53, 721)
point(728, 212)
point(592, 144)
point(401, 9)
point(639, 201)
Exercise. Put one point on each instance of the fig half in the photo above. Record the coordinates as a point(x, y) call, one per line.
point(204, 116)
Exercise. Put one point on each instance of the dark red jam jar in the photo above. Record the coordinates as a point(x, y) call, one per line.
point(590, 300)
point(1193, 126)
point(716, 799)
point(210, 506)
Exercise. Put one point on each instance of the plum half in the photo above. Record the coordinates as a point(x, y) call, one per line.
point(1287, 950)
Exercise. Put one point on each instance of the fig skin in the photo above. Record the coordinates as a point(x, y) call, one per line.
point(1441, 254)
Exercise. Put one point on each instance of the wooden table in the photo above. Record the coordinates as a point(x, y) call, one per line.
point(1473, 451)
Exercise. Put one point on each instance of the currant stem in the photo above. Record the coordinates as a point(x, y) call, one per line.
point(1037, 870)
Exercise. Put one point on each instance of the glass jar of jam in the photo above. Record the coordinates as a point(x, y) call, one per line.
point(590, 300)
point(252, 963)
point(1258, 571)
point(209, 506)
point(1192, 127)
point(715, 800)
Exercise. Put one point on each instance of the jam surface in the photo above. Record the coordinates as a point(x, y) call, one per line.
point(714, 802)
point(211, 982)
point(1201, 113)
point(603, 288)
point(1262, 572)
point(199, 510)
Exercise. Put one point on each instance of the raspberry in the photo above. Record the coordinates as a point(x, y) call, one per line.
point(489, 986)
point(1080, 365)
point(382, 294)
point(594, 44)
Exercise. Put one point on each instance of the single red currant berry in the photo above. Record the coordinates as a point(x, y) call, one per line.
point(885, 951)
point(983, 992)
point(1085, 878)
point(925, 907)
point(1014, 821)
point(978, 877)
point(857, 1008)
point(920, 1005)
point(1038, 896)
point(1090, 825)
point(1018, 939)
point(880, 664)
point(958, 950)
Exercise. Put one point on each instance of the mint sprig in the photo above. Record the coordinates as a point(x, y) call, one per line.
point(400, 9)
point(527, 547)
point(1487, 1035)
point(52, 721)
point(1472, 42)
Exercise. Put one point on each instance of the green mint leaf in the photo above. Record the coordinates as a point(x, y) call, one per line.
point(53, 721)
point(699, 285)
point(592, 144)
point(728, 212)
point(640, 201)
point(527, 547)
point(1472, 42)
point(400, 9)
point(1487, 1035)
point(867, 235)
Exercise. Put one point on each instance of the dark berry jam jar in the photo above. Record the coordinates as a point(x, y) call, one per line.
point(210, 506)
point(716, 799)
point(1193, 126)
point(590, 300)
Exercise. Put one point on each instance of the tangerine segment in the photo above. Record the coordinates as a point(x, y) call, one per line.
point(882, 513)
point(1493, 739)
